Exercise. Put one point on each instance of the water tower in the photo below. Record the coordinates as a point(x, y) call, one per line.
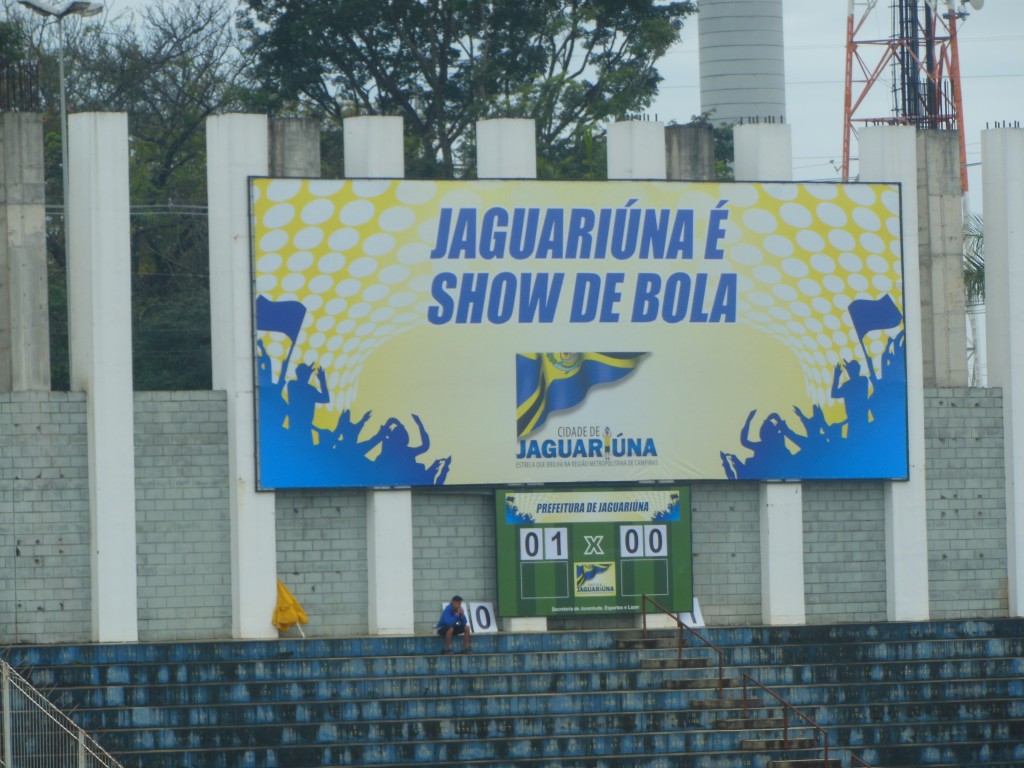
point(742, 74)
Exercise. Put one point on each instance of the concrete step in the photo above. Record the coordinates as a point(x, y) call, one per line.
point(735, 702)
point(891, 672)
point(749, 723)
point(780, 744)
point(862, 651)
point(270, 670)
point(466, 682)
point(674, 663)
point(701, 683)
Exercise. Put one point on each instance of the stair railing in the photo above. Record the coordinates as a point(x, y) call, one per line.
point(786, 706)
point(36, 733)
point(786, 709)
point(682, 638)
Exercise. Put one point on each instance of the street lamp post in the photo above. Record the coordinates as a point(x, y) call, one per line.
point(60, 12)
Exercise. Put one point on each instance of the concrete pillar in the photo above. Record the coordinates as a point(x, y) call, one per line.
point(512, 149)
point(690, 152)
point(764, 152)
point(295, 147)
point(1002, 153)
point(99, 313)
point(236, 148)
point(888, 153)
point(636, 150)
point(374, 148)
point(940, 233)
point(782, 553)
point(507, 149)
point(24, 315)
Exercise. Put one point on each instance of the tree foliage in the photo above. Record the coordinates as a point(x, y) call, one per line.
point(444, 64)
point(169, 67)
point(974, 258)
point(440, 64)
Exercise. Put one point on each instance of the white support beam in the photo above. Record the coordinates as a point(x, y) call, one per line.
point(636, 150)
point(889, 154)
point(764, 152)
point(1002, 153)
point(507, 149)
point(374, 149)
point(99, 310)
point(236, 148)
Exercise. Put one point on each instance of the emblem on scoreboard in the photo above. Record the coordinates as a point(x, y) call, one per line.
point(595, 579)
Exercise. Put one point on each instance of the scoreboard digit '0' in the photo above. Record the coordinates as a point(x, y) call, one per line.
point(579, 552)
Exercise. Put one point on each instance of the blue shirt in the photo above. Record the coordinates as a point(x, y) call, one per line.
point(451, 618)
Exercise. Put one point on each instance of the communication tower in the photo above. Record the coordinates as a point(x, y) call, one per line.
point(922, 58)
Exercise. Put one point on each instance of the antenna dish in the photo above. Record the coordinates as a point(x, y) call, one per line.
point(977, 4)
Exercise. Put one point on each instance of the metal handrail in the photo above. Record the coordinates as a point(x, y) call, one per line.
point(786, 708)
point(679, 653)
point(35, 732)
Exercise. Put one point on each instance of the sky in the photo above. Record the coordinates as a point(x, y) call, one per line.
point(991, 64)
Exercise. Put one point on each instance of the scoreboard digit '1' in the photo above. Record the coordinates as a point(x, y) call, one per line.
point(573, 552)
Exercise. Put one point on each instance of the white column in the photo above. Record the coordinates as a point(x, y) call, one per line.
point(636, 150)
point(517, 156)
point(889, 154)
point(236, 148)
point(782, 553)
point(374, 148)
point(507, 149)
point(1002, 153)
point(764, 152)
point(99, 314)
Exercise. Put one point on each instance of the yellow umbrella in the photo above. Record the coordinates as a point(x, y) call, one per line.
point(288, 612)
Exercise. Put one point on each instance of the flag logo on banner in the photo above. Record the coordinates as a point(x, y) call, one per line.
point(556, 381)
point(595, 579)
point(870, 315)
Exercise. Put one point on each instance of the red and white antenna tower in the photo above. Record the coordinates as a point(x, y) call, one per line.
point(922, 57)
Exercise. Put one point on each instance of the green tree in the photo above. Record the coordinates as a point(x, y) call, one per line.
point(974, 258)
point(169, 67)
point(443, 64)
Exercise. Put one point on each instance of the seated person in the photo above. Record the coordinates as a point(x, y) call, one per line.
point(453, 622)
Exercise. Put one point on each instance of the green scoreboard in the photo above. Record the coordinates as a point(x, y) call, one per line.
point(583, 551)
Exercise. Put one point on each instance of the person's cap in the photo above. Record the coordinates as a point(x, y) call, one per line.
point(456, 599)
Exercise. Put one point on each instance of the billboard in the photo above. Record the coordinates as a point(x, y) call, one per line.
point(587, 552)
point(418, 333)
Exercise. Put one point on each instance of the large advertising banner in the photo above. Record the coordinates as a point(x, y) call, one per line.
point(417, 333)
point(591, 551)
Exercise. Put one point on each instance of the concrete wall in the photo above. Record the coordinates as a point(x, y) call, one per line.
point(453, 550)
point(321, 558)
point(966, 503)
point(44, 518)
point(727, 552)
point(844, 551)
point(183, 529)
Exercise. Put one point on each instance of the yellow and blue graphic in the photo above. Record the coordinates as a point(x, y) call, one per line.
point(403, 332)
point(556, 381)
point(595, 579)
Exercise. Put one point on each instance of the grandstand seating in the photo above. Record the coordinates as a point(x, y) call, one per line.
point(892, 694)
